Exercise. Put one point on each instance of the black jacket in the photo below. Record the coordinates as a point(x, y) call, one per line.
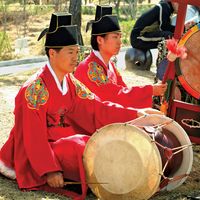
point(154, 25)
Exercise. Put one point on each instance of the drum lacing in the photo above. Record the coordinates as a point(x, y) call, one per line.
point(169, 153)
point(156, 126)
point(167, 180)
point(194, 123)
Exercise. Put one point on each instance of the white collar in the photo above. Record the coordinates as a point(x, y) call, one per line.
point(98, 55)
point(64, 88)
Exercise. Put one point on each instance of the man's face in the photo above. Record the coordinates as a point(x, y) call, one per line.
point(175, 6)
point(65, 60)
point(111, 43)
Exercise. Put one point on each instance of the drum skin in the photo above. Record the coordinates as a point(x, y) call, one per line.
point(188, 70)
point(124, 158)
point(138, 59)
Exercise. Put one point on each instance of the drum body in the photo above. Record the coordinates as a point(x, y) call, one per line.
point(127, 162)
point(186, 111)
point(188, 70)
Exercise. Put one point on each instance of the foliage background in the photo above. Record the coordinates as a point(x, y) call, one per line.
point(21, 22)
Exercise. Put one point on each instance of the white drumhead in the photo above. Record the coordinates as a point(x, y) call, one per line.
point(124, 158)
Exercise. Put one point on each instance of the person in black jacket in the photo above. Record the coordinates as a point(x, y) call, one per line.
point(153, 26)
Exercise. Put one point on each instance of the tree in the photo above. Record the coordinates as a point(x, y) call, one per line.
point(117, 3)
point(56, 3)
point(75, 10)
point(131, 9)
point(37, 2)
point(5, 47)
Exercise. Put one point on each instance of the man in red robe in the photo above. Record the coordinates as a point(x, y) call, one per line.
point(99, 73)
point(55, 114)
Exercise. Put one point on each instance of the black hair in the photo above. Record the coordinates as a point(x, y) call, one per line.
point(47, 50)
point(94, 42)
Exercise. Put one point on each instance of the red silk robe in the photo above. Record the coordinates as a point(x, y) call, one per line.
point(109, 85)
point(45, 137)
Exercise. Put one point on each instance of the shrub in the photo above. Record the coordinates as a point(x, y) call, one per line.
point(88, 10)
point(126, 27)
point(5, 47)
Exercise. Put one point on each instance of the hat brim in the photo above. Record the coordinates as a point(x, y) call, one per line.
point(62, 36)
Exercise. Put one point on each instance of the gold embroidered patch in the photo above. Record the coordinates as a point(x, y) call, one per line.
point(36, 94)
point(81, 90)
point(96, 74)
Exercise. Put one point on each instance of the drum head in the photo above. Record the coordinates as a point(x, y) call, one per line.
point(188, 70)
point(174, 128)
point(124, 161)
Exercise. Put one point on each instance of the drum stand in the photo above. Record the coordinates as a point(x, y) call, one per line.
point(186, 114)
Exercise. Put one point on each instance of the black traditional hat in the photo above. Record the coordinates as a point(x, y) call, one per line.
point(60, 32)
point(104, 21)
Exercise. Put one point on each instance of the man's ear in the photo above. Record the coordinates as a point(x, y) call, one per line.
point(99, 39)
point(51, 53)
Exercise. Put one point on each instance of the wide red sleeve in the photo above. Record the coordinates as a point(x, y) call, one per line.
point(31, 133)
point(89, 113)
point(98, 82)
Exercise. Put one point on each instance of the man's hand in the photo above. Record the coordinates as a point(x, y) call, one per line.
point(55, 179)
point(159, 89)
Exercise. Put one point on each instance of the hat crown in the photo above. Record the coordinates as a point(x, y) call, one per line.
point(59, 19)
point(102, 11)
point(61, 32)
point(104, 21)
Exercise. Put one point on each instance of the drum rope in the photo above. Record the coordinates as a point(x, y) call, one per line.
point(166, 180)
point(169, 153)
point(132, 122)
point(154, 127)
point(194, 123)
point(165, 166)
